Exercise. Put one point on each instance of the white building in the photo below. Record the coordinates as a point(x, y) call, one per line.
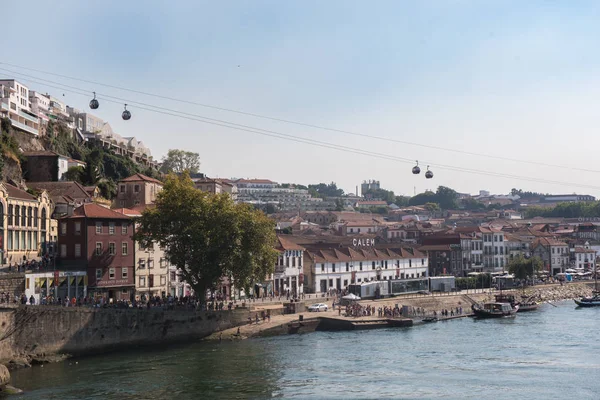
point(288, 274)
point(338, 267)
point(264, 191)
point(584, 257)
point(15, 105)
point(495, 254)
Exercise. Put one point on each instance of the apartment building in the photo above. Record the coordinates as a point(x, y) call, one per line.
point(137, 191)
point(554, 253)
point(15, 105)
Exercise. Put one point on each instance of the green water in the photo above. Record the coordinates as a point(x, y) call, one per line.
point(552, 353)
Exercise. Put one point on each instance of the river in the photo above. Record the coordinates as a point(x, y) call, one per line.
point(547, 354)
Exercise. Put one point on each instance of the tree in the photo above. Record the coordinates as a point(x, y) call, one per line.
point(432, 207)
point(522, 267)
point(422, 198)
point(74, 174)
point(208, 236)
point(472, 204)
point(323, 190)
point(401, 201)
point(178, 161)
point(446, 198)
point(385, 195)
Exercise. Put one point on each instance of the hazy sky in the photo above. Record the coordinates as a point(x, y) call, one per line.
point(513, 79)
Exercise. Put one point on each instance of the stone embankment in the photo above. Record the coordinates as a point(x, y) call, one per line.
point(559, 292)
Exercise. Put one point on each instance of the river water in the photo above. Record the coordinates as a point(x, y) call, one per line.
point(552, 353)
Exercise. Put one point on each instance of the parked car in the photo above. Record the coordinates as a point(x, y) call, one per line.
point(318, 307)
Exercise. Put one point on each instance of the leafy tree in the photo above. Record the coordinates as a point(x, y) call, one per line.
point(108, 188)
point(385, 195)
point(522, 267)
point(323, 190)
point(472, 205)
point(339, 205)
point(446, 198)
point(423, 198)
point(178, 161)
point(432, 207)
point(402, 201)
point(208, 236)
point(75, 174)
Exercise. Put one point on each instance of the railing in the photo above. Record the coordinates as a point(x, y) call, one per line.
point(24, 127)
point(29, 117)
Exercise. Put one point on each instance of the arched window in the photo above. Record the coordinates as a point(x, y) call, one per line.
point(1, 214)
point(17, 215)
point(29, 216)
point(44, 216)
point(10, 214)
point(23, 216)
point(35, 217)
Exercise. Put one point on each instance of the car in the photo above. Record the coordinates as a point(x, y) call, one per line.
point(318, 307)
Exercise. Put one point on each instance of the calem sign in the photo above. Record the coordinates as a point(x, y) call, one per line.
point(363, 242)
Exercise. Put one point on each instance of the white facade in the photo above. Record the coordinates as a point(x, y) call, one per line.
point(338, 275)
point(288, 273)
point(495, 255)
point(15, 104)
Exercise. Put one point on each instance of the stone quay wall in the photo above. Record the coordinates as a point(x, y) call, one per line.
point(30, 333)
point(12, 283)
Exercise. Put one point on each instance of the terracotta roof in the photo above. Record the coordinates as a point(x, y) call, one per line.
point(254, 181)
point(353, 254)
point(17, 193)
point(372, 203)
point(544, 241)
point(93, 210)
point(285, 244)
point(436, 247)
point(61, 189)
point(140, 178)
point(583, 250)
point(129, 212)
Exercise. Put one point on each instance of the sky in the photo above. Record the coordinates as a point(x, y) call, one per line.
point(493, 95)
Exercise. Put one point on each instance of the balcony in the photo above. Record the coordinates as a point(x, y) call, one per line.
point(24, 127)
point(29, 117)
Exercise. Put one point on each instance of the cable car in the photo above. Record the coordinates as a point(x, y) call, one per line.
point(94, 103)
point(126, 114)
point(428, 174)
point(416, 170)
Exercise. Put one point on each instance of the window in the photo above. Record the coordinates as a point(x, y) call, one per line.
point(124, 273)
point(98, 227)
point(163, 280)
point(23, 216)
point(136, 203)
point(111, 228)
point(16, 241)
point(360, 265)
point(44, 215)
point(77, 228)
point(122, 188)
point(111, 273)
point(409, 263)
point(124, 228)
point(98, 248)
point(10, 240)
point(124, 248)
point(98, 273)
point(163, 263)
point(77, 250)
point(63, 250)
point(136, 188)
point(10, 214)
point(173, 276)
point(345, 282)
point(17, 215)
point(63, 228)
point(22, 240)
point(111, 249)
point(373, 265)
point(322, 267)
point(29, 216)
point(142, 281)
point(142, 263)
point(347, 268)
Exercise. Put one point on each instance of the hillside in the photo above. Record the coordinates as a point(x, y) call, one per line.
point(104, 167)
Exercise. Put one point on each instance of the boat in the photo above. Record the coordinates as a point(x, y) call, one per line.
point(527, 305)
point(494, 310)
point(430, 319)
point(593, 301)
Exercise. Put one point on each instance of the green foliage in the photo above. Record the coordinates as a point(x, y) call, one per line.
point(323, 190)
point(525, 194)
point(522, 267)
point(446, 198)
point(208, 236)
point(566, 210)
point(75, 174)
point(177, 161)
point(472, 205)
point(432, 207)
point(108, 188)
point(61, 141)
point(385, 195)
point(402, 201)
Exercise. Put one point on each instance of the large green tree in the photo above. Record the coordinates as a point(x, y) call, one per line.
point(523, 268)
point(208, 236)
point(178, 161)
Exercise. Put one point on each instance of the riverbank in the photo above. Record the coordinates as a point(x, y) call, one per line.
point(428, 304)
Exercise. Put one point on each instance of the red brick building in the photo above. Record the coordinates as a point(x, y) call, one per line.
point(99, 240)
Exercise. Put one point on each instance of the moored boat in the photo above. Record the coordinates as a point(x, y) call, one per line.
point(593, 301)
point(494, 310)
point(527, 305)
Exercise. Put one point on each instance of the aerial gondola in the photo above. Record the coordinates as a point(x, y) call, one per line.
point(428, 174)
point(94, 103)
point(126, 114)
point(416, 170)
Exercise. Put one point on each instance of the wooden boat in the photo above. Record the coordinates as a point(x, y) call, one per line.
point(494, 310)
point(593, 301)
point(527, 305)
